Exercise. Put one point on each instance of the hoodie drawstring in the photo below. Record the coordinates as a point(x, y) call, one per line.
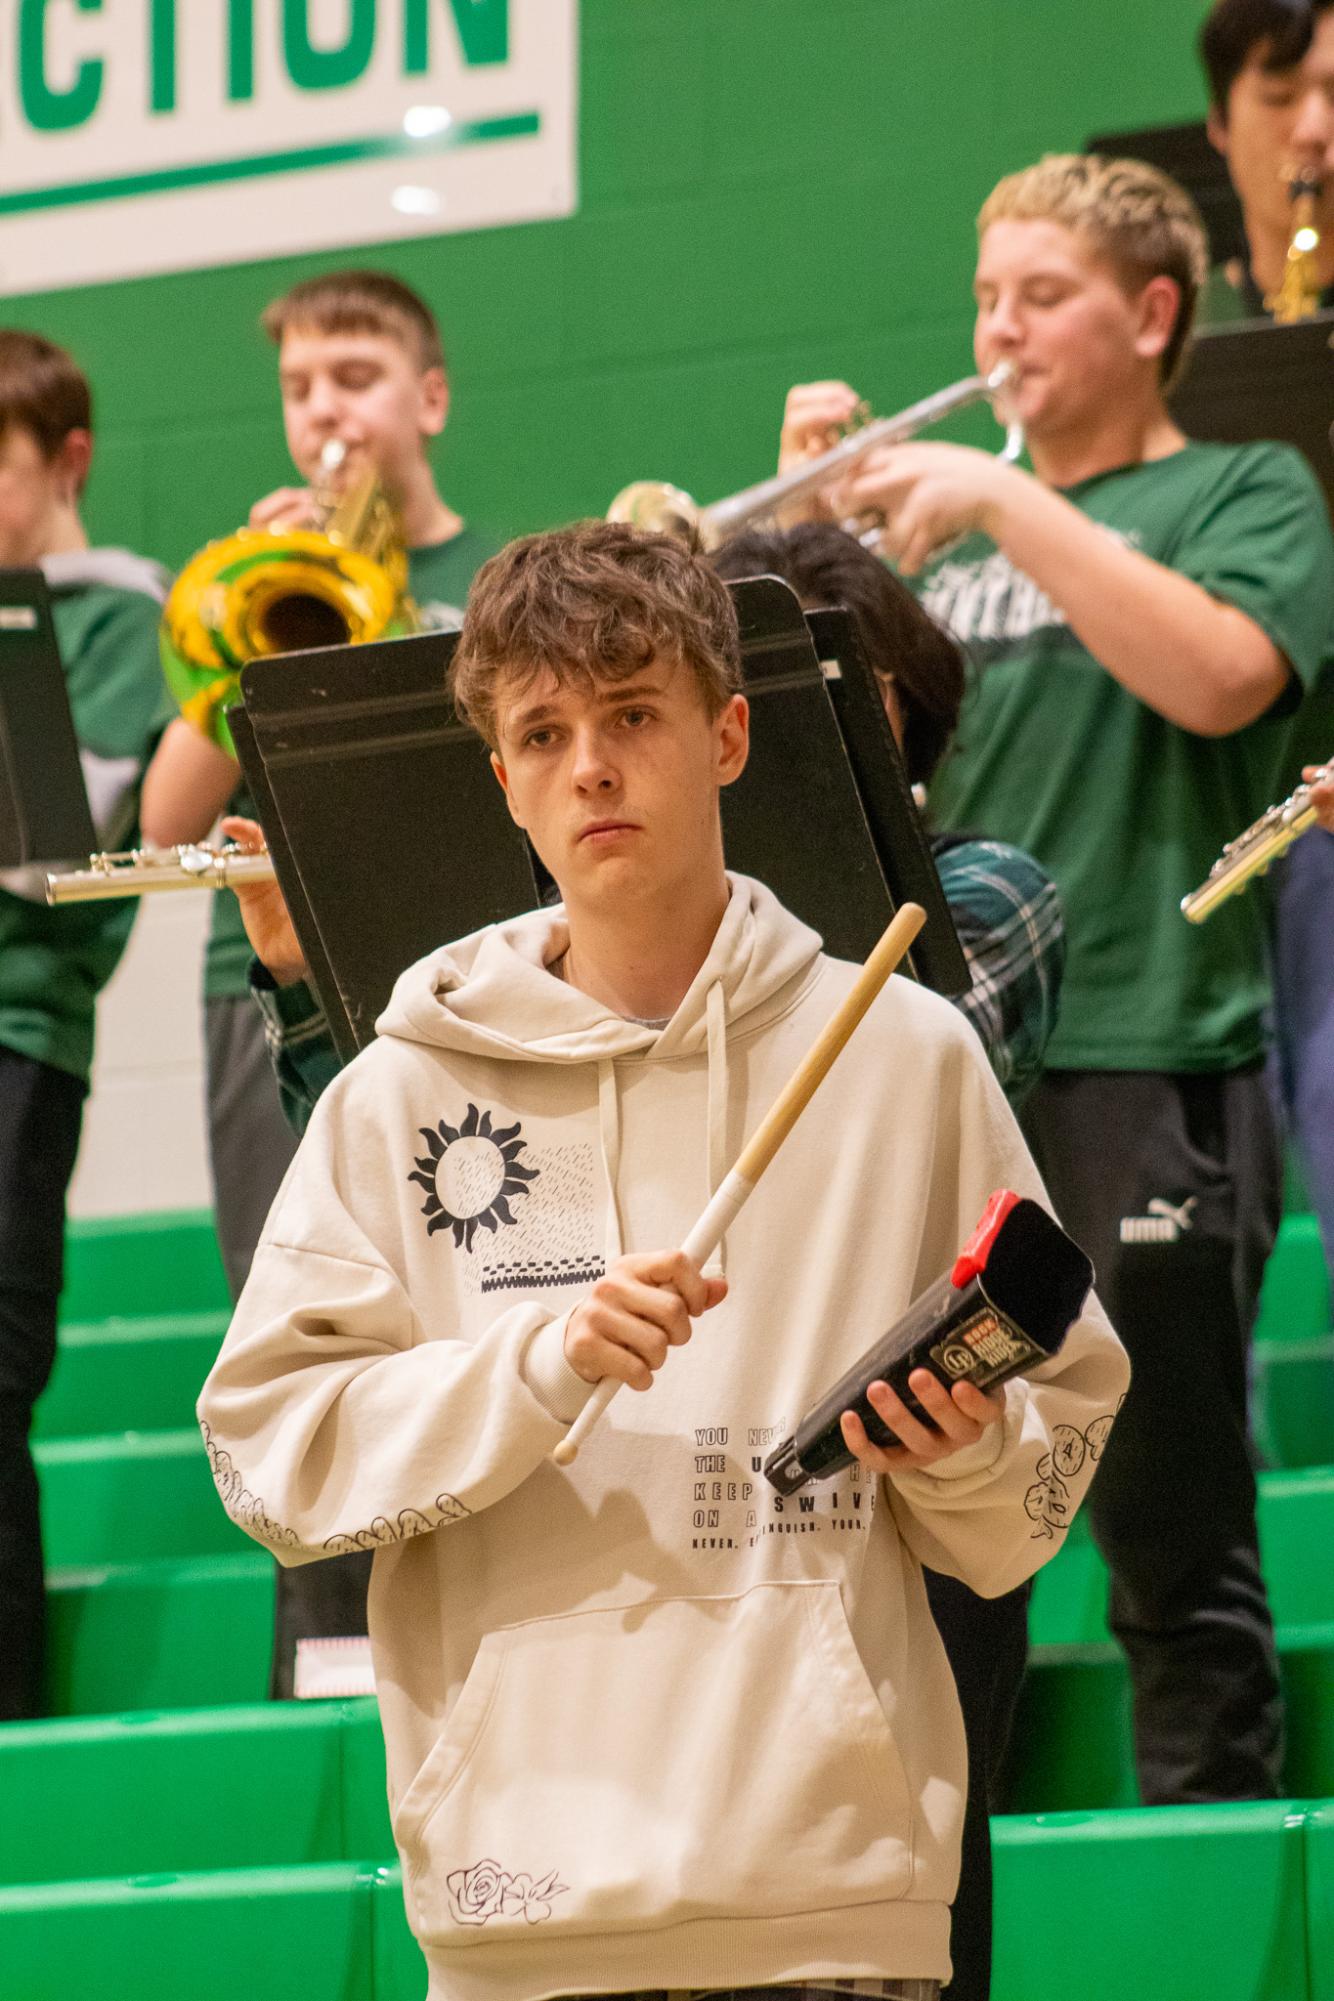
point(715, 1015)
point(609, 1133)
point(609, 1125)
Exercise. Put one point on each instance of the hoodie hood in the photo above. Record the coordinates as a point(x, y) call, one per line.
point(491, 995)
point(118, 569)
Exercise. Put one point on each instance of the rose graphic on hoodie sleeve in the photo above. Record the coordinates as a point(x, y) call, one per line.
point(487, 1891)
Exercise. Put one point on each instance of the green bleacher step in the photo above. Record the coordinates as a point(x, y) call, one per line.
point(1071, 1747)
point(126, 1266)
point(268, 1785)
point(1320, 1899)
point(1296, 1517)
point(163, 1635)
point(138, 1496)
point(129, 1375)
point(1169, 1904)
point(1295, 1300)
point(267, 1934)
point(1294, 1402)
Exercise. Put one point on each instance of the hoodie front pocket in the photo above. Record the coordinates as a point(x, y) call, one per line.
point(647, 1764)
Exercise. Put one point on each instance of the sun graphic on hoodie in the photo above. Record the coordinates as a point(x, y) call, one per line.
point(470, 1174)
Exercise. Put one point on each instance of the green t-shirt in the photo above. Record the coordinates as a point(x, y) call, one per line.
point(54, 962)
point(439, 574)
point(1126, 811)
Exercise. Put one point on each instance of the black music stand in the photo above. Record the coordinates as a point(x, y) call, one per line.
point(385, 819)
point(1261, 380)
point(44, 812)
point(388, 826)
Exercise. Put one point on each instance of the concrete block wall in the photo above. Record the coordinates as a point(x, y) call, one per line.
point(770, 190)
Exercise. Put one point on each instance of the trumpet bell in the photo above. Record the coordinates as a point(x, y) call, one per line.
point(661, 509)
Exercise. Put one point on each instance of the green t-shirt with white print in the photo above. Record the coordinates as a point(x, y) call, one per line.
point(1125, 810)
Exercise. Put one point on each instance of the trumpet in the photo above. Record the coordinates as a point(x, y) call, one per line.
point(1251, 853)
point(668, 510)
point(137, 871)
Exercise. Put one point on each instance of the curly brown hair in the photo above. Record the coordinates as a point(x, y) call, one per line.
point(595, 602)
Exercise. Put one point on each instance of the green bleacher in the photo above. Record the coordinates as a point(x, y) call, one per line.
point(168, 1832)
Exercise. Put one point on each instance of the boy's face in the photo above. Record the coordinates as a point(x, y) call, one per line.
point(368, 390)
point(1280, 123)
point(617, 783)
point(33, 488)
point(1047, 303)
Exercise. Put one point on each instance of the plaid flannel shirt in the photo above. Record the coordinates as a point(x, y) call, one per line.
point(1007, 912)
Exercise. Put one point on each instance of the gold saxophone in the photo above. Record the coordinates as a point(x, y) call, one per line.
point(1298, 293)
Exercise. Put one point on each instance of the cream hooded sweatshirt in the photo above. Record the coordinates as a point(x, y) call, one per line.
point(648, 1724)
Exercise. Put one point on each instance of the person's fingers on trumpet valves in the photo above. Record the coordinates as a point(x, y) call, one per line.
point(959, 1417)
point(268, 923)
point(929, 495)
point(286, 507)
point(639, 1310)
point(1320, 778)
point(815, 416)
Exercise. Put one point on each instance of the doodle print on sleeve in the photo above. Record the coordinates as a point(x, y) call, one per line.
point(1047, 1502)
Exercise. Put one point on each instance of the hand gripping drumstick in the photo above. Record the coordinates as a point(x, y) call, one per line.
point(735, 1189)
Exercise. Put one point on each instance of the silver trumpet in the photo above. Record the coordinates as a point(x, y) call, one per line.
point(1251, 853)
point(138, 871)
point(653, 504)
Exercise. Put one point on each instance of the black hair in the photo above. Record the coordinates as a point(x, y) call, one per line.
point(1234, 28)
point(827, 567)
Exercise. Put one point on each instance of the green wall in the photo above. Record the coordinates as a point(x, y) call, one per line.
point(770, 191)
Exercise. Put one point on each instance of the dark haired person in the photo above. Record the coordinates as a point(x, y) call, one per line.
point(1006, 909)
point(1008, 916)
point(360, 359)
point(632, 1746)
point(105, 605)
point(1270, 66)
point(1144, 613)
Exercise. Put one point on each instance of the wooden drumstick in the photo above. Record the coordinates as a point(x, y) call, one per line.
point(735, 1189)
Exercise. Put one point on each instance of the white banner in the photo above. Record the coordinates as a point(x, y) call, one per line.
point(162, 135)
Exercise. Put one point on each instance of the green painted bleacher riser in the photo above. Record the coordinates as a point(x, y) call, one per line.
point(133, 1498)
point(126, 1266)
point(269, 1935)
point(1296, 1515)
point(129, 1375)
point(1320, 1899)
point(1071, 1747)
point(1178, 1904)
point(162, 1635)
point(1293, 1402)
point(1295, 1300)
point(1175, 1904)
point(263, 1786)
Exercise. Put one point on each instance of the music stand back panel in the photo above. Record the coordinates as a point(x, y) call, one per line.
point(44, 813)
point(891, 812)
point(320, 971)
point(400, 834)
point(794, 818)
point(1259, 380)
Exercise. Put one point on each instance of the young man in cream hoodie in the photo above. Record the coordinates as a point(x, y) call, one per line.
point(649, 1726)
